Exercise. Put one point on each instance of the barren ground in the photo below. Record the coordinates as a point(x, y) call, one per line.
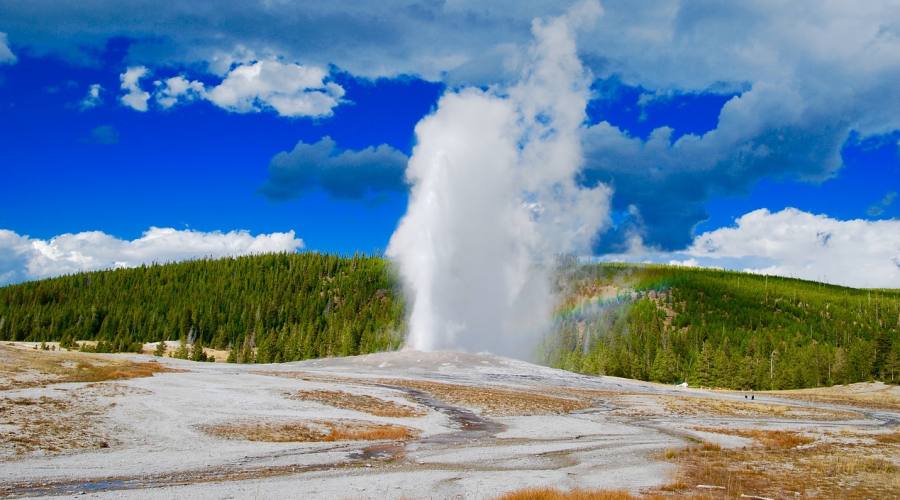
point(423, 425)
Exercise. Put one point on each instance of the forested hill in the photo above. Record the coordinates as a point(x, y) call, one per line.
point(669, 324)
point(282, 307)
point(723, 329)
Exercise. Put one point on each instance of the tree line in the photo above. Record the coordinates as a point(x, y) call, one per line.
point(668, 324)
point(727, 329)
point(264, 308)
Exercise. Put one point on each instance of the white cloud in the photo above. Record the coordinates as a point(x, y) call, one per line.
point(6, 54)
point(135, 97)
point(794, 243)
point(24, 258)
point(810, 72)
point(684, 262)
point(290, 89)
point(92, 99)
point(178, 88)
point(808, 78)
point(674, 44)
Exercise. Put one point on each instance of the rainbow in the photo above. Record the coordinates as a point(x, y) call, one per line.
point(591, 306)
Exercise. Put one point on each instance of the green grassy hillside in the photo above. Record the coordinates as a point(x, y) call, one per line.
point(723, 329)
point(669, 324)
point(282, 307)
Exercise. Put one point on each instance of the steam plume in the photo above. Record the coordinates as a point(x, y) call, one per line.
point(494, 201)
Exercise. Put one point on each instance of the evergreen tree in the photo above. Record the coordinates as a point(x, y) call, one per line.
point(182, 352)
point(197, 352)
point(890, 373)
point(703, 367)
point(665, 367)
point(347, 302)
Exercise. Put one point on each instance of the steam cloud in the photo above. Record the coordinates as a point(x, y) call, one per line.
point(494, 200)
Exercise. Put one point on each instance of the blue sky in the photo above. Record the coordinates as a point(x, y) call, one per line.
point(689, 137)
point(197, 167)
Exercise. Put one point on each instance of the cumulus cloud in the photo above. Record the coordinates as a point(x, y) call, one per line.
point(134, 97)
point(794, 243)
point(667, 182)
point(806, 81)
point(6, 54)
point(372, 39)
point(807, 74)
point(177, 88)
point(799, 244)
point(681, 44)
point(290, 89)
point(685, 262)
point(342, 173)
point(92, 99)
point(24, 258)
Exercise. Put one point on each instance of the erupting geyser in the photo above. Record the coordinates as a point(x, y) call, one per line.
point(494, 200)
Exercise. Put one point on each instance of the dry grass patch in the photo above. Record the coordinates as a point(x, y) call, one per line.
point(782, 468)
point(494, 401)
point(360, 402)
point(555, 494)
point(696, 406)
point(767, 438)
point(312, 377)
point(864, 395)
point(311, 431)
point(889, 438)
point(99, 371)
point(23, 368)
point(839, 465)
point(48, 426)
point(491, 401)
point(652, 405)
